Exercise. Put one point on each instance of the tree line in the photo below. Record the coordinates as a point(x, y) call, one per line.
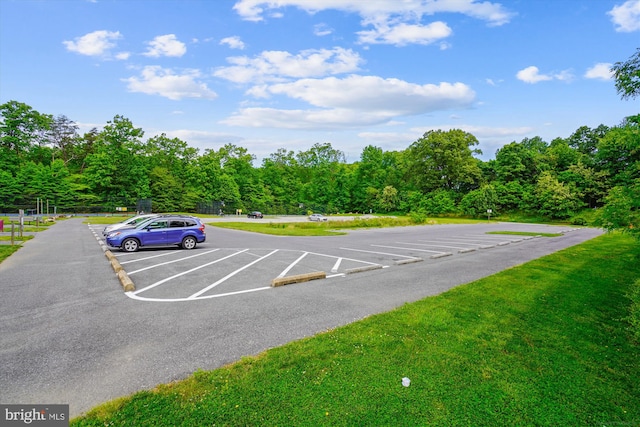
point(42, 156)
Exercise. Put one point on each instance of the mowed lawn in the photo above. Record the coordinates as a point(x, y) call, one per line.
point(547, 343)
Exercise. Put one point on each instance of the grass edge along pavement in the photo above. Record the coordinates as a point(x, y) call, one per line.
point(333, 227)
point(544, 343)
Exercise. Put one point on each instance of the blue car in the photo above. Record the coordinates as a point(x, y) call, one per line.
point(184, 231)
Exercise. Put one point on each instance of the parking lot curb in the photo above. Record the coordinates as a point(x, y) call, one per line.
point(361, 269)
point(281, 281)
point(125, 281)
point(408, 261)
point(444, 254)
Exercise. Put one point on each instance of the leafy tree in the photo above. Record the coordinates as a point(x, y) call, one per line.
point(622, 210)
point(444, 160)
point(116, 169)
point(388, 199)
point(279, 173)
point(478, 202)
point(21, 128)
point(627, 76)
point(521, 161)
point(64, 138)
point(619, 153)
point(555, 199)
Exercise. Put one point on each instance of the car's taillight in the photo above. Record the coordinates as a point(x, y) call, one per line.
point(201, 228)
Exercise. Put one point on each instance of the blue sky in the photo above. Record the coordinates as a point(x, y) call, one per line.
point(266, 75)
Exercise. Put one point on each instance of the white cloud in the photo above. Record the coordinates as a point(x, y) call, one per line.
point(155, 80)
point(482, 131)
point(626, 16)
point(279, 65)
point(494, 13)
point(97, 43)
point(233, 42)
point(393, 21)
point(322, 30)
point(352, 101)
point(601, 70)
point(532, 75)
point(403, 34)
point(166, 45)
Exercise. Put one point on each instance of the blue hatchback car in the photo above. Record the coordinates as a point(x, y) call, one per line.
point(184, 231)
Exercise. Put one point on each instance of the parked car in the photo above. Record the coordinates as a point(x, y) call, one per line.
point(181, 230)
point(317, 217)
point(255, 214)
point(127, 223)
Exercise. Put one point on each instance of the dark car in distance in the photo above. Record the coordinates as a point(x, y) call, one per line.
point(255, 214)
point(184, 231)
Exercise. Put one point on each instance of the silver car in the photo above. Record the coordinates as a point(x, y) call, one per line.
point(129, 222)
point(317, 217)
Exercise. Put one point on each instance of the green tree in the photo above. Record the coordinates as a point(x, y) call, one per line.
point(622, 210)
point(627, 76)
point(21, 129)
point(116, 170)
point(555, 199)
point(478, 202)
point(444, 160)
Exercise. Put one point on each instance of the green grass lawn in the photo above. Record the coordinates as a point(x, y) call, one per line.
point(331, 227)
point(546, 343)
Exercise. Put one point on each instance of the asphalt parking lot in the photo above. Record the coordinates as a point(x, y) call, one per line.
point(71, 335)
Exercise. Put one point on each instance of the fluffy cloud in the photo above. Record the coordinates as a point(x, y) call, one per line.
point(394, 22)
point(626, 17)
point(166, 45)
point(155, 80)
point(97, 43)
point(352, 101)
point(280, 65)
point(403, 34)
point(600, 71)
point(233, 42)
point(532, 75)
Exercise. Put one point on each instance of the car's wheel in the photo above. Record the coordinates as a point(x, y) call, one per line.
point(189, 242)
point(130, 245)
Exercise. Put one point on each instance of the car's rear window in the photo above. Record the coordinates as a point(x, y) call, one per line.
point(182, 223)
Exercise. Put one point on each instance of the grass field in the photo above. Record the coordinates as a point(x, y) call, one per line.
point(331, 227)
point(547, 343)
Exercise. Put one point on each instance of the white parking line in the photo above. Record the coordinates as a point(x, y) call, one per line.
point(336, 266)
point(293, 264)
point(213, 285)
point(378, 253)
point(409, 249)
point(186, 272)
point(145, 258)
point(169, 262)
point(438, 245)
point(132, 295)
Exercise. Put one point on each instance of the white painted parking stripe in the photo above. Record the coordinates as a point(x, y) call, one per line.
point(187, 272)
point(146, 258)
point(170, 262)
point(409, 249)
point(438, 245)
point(343, 258)
point(336, 266)
point(293, 264)
point(376, 252)
point(132, 295)
point(213, 285)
